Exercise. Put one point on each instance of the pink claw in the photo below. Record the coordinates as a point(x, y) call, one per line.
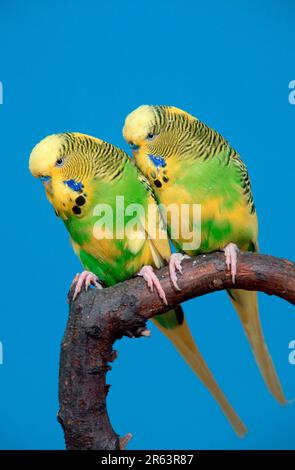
point(174, 266)
point(231, 257)
point(152, 281)
point(86, 278)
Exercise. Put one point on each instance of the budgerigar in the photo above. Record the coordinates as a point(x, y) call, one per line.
point(83, 176)
point(189, 163)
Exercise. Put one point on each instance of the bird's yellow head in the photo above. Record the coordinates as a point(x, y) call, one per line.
point(156, 133)
point(155, 129)
point(67, 164)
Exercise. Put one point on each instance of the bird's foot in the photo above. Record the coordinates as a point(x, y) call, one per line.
point(175, 266)
point(152, 281)
point(86, 278)
point(231, 257)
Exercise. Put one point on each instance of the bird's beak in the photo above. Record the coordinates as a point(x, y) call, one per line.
point(134, 148)
point(46, 181)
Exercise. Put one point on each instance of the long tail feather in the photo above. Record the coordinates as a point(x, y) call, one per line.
point(246, 305)
point(174, 326)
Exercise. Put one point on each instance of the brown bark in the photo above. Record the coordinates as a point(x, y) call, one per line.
point(99, 317)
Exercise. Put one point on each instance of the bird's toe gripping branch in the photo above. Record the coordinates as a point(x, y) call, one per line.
point(175, 266)
point(231, 258)
point(152, 281)
point(86, 279)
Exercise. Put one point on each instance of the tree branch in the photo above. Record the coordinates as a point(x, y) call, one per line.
point(99, 317)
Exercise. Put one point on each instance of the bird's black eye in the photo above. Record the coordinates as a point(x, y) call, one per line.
point(150, 136)
point(59, 162)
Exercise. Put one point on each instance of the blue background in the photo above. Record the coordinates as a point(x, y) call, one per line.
point(82, 66)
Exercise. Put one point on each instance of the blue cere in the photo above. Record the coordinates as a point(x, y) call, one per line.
point(44, 178)
point(133, 146)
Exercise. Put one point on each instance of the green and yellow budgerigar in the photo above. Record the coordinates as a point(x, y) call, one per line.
point(83, 179)
point(188, 163)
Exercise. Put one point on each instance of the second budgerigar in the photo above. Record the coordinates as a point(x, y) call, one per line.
point(188, 163)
